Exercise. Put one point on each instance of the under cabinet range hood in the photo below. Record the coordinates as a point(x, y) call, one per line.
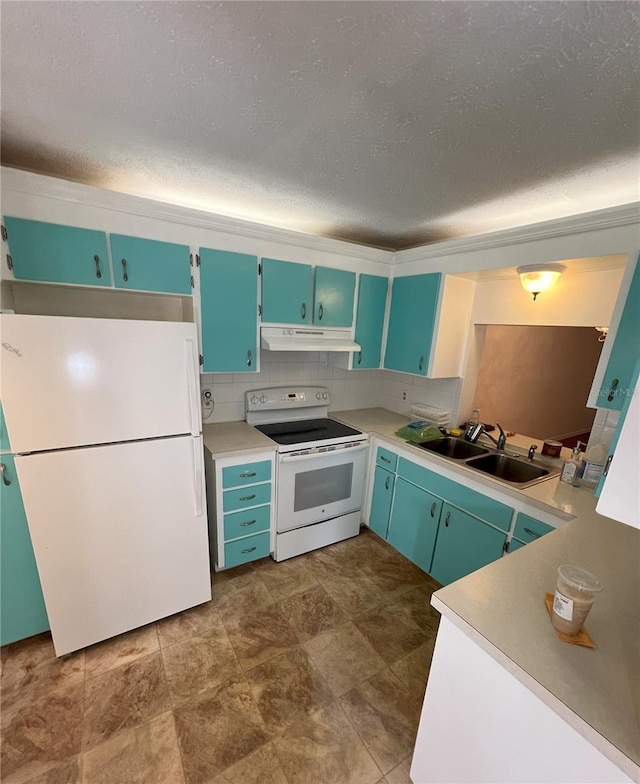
point(307, 339)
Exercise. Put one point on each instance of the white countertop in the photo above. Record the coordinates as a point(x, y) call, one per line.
point(230, 439)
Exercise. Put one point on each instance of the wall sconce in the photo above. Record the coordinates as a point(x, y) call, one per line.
point(539, 277)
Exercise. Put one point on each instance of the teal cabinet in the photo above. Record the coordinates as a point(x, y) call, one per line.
point(333, 297)
point(57, 254)
point(286, 291)
point(150, 265)
point(464, 544)
point(372, 300)
point(383, 484)
point(22, 609)
point(625, 351)
point(242, 551)
point(412, 318)
point(4, 436)
point(528, 529)
point(229, 312)
point(414, 523)
point(515, 544)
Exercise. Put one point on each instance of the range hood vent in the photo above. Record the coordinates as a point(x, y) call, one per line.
point(307, 339)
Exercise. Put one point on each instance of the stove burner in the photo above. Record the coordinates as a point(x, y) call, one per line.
point(288, 433)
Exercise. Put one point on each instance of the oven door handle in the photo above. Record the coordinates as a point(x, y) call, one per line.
point(316, 455)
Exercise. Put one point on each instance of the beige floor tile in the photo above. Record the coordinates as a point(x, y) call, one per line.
point(260, 635)
point(41, 735)
point(343, 657)
point(354, 595)
point(415, 604)
point(391, 633)
point(259, 767)
point(286, 578)
point(199, 663)
point(412, 670)
point(329, 563)
point(147, 754)
point(124, 698)
point(400, 774)
point(325, 749)
point(312, 612)
point(119, 650)
point(188, 623)
point(69, 772)
point(392, 574)
point(385, 716)
point(217, 729)
point(234, 604)
point(287, 689)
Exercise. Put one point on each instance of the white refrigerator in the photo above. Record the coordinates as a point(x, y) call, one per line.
point(104, 415)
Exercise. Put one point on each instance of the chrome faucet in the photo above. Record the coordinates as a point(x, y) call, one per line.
point(532, 451)
point(500, 441)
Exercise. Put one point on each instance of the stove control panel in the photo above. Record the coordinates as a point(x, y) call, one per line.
point(283, 398)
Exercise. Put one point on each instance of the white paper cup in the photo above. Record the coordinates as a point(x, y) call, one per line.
point(576, 590)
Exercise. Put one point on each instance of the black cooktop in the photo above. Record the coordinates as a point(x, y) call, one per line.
point(307, 430)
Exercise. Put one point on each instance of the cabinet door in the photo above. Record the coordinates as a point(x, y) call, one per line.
point(229, 307)
point(625, 351)
point(464, 544)
point(528, 528)
point(150, 265)
point(4, 436)
point(333, 298)
point(414, 523)
point(286, 291)
point(22, 610)
point(414, 301)
point(372, 298)
point(57, 254)
point(383, 483)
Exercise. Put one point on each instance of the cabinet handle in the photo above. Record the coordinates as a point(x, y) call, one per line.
point(612, 389)
point(125, 274)
point(98, 270)
point(433, 509)
point(247, 497)
point(249, 357)
point(359, 357)
point(532, 533)
point(607, 465)
point(3, 471)
point(248, 550)
point(386, 483)
point(384, 459)
point(303, 310)
point(249, 522)
point(446, 519)
point(421, 362)
point(245, 474)
point(320, 311)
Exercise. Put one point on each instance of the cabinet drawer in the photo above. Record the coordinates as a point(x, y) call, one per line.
point(243, 523)
point(515, 544)
point(528, 528)
point(243, 498)
point(386, 459)
point(248, 474)
point(245, 550)
point(471, 501)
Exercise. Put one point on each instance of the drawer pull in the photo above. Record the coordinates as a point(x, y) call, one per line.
point(447, 518)
point(532, 533)
point(386, 483)
point(249, 522)
point(384, 459)
point(3, 471)
point(248, 550)
point(247, 497)
point(433, 509)
point(245, 474)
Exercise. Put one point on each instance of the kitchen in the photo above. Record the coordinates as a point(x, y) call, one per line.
point(34, 197)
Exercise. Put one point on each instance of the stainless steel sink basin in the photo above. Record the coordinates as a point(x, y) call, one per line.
point(454, 448)
point(509, 469)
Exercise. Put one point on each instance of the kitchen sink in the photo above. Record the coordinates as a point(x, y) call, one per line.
point(510, 469)
point(454, 448)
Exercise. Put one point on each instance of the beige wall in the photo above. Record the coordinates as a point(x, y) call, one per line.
point(535, 380)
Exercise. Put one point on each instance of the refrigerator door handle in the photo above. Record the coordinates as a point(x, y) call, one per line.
point(194, 403)
point(198, 486)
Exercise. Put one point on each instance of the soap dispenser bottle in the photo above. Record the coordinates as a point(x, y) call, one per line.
point(572, 468)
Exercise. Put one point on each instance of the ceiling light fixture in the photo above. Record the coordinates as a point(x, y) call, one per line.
point(539, 277)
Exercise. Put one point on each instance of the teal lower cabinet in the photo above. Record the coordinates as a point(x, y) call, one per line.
point(383, 484)
point(22, 610)
point(242, 551)
point(464, 544)
point(515, 544)
point(414, 523)
point(527, 529)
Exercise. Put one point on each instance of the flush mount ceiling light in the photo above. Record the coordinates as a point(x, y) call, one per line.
point(539, 277)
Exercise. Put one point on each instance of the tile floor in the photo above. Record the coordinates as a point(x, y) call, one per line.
point(311, 671)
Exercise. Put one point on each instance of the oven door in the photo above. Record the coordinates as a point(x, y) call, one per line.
point(320, 485)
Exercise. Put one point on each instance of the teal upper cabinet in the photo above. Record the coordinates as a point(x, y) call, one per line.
point(334, 295)
point(57, 254)
point(372, 299)
point(414, 523)
point(22, 610)
point(624, 352)
point(286, 291)
point(229, 307)
point(150, 265)
point(414, 301)
point(464, 544)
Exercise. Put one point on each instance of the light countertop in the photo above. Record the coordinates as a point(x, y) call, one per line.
point(231, 439)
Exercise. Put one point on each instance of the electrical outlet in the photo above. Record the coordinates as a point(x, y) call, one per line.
point(206, 397)
point(404, 394)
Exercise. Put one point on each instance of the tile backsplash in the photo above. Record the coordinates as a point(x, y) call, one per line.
point(348, 388)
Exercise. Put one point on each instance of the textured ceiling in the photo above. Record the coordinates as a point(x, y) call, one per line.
point(387, 123)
